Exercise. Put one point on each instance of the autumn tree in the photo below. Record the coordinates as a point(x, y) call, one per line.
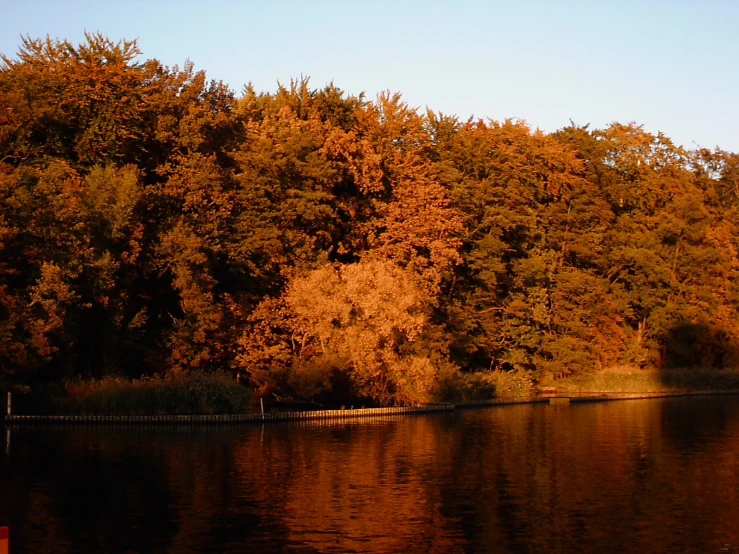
point(321, 244)
point(369, 320)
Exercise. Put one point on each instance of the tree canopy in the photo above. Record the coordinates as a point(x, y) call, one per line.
point(318, 243)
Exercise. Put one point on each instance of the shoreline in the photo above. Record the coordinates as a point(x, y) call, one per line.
point(358, 414)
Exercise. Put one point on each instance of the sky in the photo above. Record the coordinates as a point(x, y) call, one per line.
point(669, 65)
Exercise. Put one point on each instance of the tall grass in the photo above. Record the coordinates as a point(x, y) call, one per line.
point(619, 379)
point(173, 394)
point(624, 379)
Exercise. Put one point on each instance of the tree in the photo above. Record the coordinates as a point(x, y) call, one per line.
point(370, 320)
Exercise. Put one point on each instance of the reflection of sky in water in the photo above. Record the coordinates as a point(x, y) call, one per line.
point(621, 476)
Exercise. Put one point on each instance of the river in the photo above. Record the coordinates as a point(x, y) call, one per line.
point(627, 476)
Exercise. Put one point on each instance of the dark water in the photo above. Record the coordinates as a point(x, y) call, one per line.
point(632, 476)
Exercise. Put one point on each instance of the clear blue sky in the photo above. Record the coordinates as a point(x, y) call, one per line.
point(670, 65)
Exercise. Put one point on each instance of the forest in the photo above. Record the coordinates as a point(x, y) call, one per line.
point(315, 244)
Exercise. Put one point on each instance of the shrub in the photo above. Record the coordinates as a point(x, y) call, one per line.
point(173, 393)
point(485, 385)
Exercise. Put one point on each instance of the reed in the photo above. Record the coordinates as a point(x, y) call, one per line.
point(172, 394)
point(625, 379)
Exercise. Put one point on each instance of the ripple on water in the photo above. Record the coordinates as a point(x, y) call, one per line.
point(657, 475)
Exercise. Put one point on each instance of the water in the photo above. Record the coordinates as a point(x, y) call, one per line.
point(631, 476)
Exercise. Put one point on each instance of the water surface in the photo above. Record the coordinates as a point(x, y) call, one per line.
point(631, 476)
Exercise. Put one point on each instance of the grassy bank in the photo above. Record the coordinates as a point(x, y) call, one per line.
point(618, 379)
point(174, 394)
point(217, 393)
point(626, 379)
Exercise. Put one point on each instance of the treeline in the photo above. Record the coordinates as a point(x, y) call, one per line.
point(320, 244)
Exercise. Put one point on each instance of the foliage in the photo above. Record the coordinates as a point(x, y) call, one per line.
point(485, 385)
point(322, 245)
point(370, 319)
point(174, 393)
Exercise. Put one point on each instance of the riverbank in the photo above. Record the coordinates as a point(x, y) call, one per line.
point(351, 414)
point(314, 415)
point(195, 398)
point(625, 379)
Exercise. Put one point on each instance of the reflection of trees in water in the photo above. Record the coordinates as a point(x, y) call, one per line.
point(599, 474)
point(218, 490)
point(628, 476)
point(339, 488)
point(80, 490)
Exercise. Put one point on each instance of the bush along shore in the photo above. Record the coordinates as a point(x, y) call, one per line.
point(319, 246)
point(185, 393)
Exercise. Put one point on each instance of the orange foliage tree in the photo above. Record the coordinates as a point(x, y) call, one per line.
point(323, 244)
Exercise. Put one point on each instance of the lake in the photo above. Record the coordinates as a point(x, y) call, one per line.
point(627, 476)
